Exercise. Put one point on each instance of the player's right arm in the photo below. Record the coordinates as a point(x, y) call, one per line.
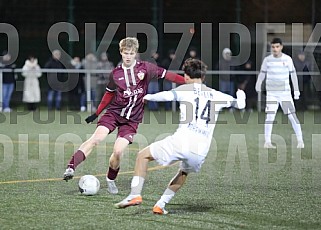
point(261, 76)
point(107, 98)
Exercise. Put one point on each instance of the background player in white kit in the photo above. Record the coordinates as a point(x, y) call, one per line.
point(276, 68)
point(199, 108)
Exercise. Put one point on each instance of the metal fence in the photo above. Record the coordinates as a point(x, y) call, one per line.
point(212, 76)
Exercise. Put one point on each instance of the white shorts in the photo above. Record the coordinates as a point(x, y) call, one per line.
point(187, 147)
point(284, 99)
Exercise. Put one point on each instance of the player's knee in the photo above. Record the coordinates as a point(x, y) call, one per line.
point(184, 173)
point(140, 157)
point(117, 153)
point(270, 117)
point(95, 141)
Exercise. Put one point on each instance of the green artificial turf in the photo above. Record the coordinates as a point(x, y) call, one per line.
point(241, 185)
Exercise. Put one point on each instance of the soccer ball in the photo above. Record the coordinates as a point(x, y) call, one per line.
point(89, 185)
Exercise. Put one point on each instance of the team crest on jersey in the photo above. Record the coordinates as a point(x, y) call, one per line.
point(141, 75)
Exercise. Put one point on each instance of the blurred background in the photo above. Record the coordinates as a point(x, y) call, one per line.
point(34, 18)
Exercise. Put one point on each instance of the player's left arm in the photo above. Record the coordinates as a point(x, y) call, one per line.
point(159, 72)
point(294, 79)
point(238, 102)
point(173, 77)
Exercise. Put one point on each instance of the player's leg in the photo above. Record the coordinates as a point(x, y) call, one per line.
point(192, 162)
point(297, 129)
point(161, 151)
point(289, 109)
point(174, 185)
point(270, 110)
point(84, 150)
point(125, 136)
point(137, 183)
point(114, 163)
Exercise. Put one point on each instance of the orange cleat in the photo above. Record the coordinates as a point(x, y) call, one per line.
point(129, 201)
point(158, 210)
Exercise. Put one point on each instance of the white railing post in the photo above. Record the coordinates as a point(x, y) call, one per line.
point(88, 91)
point(1, 82)
point(173, 102)
point(259, 101)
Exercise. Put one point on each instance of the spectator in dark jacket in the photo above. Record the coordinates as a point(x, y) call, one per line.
point(247, 84)
point(77, 92)
point(170, 63)
point(55, 80)
point(302, 67)
point(226, 80)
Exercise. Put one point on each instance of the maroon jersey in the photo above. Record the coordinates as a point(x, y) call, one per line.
point(130, 85)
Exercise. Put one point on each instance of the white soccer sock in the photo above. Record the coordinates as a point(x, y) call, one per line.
point(137, 185)
point(268, 126)
point(165, 198)
point(296, 126)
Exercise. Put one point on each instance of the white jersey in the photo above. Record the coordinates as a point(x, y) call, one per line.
point(199, 108)
point(277, 72)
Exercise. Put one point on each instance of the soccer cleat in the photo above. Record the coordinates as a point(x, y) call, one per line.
point(300, 145)
point(268, 145)
point(111, 187)
point(158, 210)
point(129, 201)
point(69, 174)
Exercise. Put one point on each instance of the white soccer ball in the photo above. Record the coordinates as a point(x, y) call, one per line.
point(89, 185)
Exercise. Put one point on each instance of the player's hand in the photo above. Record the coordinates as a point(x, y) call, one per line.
point(91, 118)
point(240, 94)
point(240, 99)
point(296, 95)
point(258, 88)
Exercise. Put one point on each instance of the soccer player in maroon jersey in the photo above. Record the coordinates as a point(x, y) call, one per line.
point(124, 94)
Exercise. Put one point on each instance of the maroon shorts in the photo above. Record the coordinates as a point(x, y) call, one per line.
point(126, 128)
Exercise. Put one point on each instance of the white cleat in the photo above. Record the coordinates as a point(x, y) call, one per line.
point(300, 145)
point(69, 174)
point(111, 187)
point(268, 145)
point(129, 201)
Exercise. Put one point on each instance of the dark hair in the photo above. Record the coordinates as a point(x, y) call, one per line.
point(276, 40)
point(30, 56)
point(5, 52)
point(194, 68)
point(171, 51)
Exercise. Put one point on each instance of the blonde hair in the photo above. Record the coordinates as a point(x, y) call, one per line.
point(129, 43)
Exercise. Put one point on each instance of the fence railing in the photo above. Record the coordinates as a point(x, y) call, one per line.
point(89, 72)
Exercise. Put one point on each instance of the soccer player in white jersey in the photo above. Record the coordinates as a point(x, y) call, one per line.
point(276, 68)
point(199, 108)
